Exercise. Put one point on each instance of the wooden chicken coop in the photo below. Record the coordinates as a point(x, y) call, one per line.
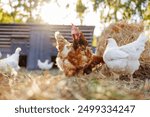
point(36, 41)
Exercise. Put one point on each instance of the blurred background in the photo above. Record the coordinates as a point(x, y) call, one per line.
point(99, 13)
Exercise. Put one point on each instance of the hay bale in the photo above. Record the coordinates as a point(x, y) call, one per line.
point(143, 71)
point(123, 33)
point(146, 54)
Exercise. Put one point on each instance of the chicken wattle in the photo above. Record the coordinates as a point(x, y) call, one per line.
point(78, 38)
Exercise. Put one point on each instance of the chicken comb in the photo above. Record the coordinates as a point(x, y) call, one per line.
point(74, 29)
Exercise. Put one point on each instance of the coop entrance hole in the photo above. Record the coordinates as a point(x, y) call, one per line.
point(23, 60)
point(53, 59)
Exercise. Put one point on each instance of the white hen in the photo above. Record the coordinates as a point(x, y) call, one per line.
point(124, 59)
point(12, 60)
point(0, 55)
point(115, 59)
point(44, 65)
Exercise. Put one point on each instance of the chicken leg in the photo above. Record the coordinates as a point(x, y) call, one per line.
point(131, 78)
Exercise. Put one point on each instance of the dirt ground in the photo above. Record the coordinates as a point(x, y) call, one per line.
point(53, 84)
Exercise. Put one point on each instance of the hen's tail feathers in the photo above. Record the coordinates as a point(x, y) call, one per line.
point(39, 61)
point(96, 60)
point(18, 50)
point(46, 61)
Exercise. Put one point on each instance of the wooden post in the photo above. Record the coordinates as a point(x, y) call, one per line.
point(39, 46)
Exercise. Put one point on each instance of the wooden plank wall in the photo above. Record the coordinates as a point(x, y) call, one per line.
point(12, 35)
point(22, 31)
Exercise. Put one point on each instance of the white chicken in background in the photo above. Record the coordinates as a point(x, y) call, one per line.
point(45, 65)
point(8, 55)
point(12, 60)
point(124, 59)
point(10, 64)
point(0, 55)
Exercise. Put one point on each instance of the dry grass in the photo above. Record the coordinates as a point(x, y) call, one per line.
point(54, 85)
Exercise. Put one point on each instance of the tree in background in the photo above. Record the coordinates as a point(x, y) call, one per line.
point(80, 9)
point(115, 10)
point(21, 11)
point(4, 16)
point(122, 9)
point(109, 10)
point(32, 6)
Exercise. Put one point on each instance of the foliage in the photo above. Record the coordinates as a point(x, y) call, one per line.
point(29, 6)
point(126, 8)
point(5, 17)
point(110, 10)
point(80, 9)
point(21, 11)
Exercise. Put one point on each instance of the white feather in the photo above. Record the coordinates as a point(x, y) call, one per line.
point(66, 48)
point(12, 60)
point(125, 58)
point(59, 63)
point(45, 65)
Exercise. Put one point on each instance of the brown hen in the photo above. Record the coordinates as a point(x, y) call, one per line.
point(77, 57)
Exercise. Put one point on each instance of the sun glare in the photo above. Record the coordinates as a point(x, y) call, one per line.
point(49, 14)
point(52, 13)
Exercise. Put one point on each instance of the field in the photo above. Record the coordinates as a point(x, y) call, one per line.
point(54, 84)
